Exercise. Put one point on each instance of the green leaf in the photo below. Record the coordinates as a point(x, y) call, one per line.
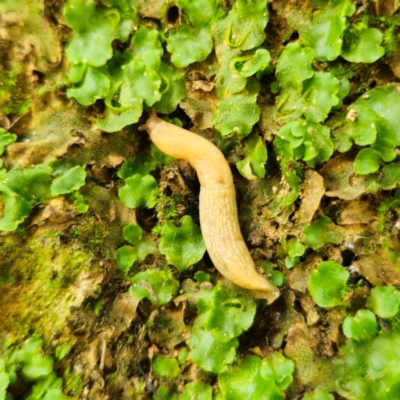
point(76, 73)
point(114, 121)
point(367, 161)
point(248, 65)
point(278, 369)
point(197, 390)
point(253, 165)
point(147, 47)
point(362, 129)
point(385, 101)
point(325, 28)
point(208, 353)
point(173, 89)
point(31, 183)
point(139, 82)
point(95, 29)
point(141, 164)
point(320, 95)
point(384, 301)
point(166, 367)
point(226, 315)
point(236, 114)
point(244, 382)
point(328, 284)
point(295, 248)
point(79, 203)
point(15, 209)
point(132, 233)
point(300, 56)
point(251, 34)
point(310, 141)
point(139, 191)
point(200, 13)
point(69, 181)
point(274, 276)
point(95, 85)
point(188, 45)
point(390, 176)
point(318, 394)
point(361, 327)
point(362, 44)
point(126, 256)
point(6, 139)
point(37, 366)
point(322, 231)
point(183, 246)
point(157, 286)
point(4, 381)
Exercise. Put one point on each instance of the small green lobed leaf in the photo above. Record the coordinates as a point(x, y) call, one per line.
point(188, 45)
point(390, 176)
point(141, 164)
point(362, 44)
point(236, 114)
point(114, 121)
point(226, 315)
point(132, 233)
point(320, 96)
point(197, 390)
point(95, 85)
point(328, 284)
point(201, 13)
point(183, 246)
point(244, 382)
point(367, 161)
point(31, 183)
point(318, 394)
point(251, 34)
point(361, 327)
point(253, 165)
point(79, 203)
point(385, 101)
point(300, 56)
point(37, 366)
point(6, 138)
point(157, 286)
point(325, 28)
point(147, 47)
point(172, 89)
point(166, 367)
point(139, 191)
point(249, 65)
point(126, 256)
point(307, 140)
point(15, 209)
point(278, 369)
point(384, 301)
point(208, 353)
point(69, 181)
point(76, 73)
point(322, 231)
point(139, 82)
point(295, 247)
point(94, 33)
point(362, 129)
point(5, 381)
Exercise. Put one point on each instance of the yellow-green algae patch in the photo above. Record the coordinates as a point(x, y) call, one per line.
point(41, 279)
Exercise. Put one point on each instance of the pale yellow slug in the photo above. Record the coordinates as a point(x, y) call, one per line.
point(218, 210)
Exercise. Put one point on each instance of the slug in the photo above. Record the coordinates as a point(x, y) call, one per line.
point(218, 210)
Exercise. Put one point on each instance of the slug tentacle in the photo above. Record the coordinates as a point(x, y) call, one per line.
point(218, 211)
